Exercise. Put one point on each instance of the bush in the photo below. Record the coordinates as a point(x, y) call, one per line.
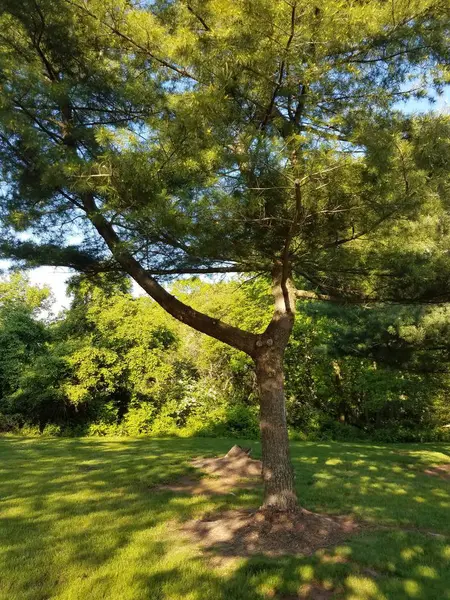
point(165, 423)
point(342, 432)
point(51, 430)
point(10, 423)
point(242, 421)
point(103, 429)
point(138, 420)
point(408, 435)
point(211, 425)
point(30, 430)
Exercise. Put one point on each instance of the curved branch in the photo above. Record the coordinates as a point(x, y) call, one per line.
point(233, 336)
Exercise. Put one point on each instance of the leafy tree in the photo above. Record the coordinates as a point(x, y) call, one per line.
point(383, 369)
point(119, 351)
point(118, 365)
point(222, 136)
point(22, 340)
point(16, 290)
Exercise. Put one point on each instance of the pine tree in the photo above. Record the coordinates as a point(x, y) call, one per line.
point(231, 136)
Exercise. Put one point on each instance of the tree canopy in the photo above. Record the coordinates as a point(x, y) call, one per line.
point(223, 136)
point(114, 364)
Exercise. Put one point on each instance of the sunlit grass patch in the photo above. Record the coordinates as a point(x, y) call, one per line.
point(81, 519)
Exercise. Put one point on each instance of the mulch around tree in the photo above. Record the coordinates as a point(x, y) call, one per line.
point(235, 470)
point(247, 532)
point(273, 533)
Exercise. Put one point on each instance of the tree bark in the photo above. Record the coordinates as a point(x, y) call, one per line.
point(267, 349)
point(278, 475)
point(279, 491)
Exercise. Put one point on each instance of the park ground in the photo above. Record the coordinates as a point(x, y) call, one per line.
point(96, 519)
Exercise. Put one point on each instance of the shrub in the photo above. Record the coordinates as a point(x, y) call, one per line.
point(30, 430)
point(138, 420)
point(103, 429)
point(401, 434)
point(342, 432)
point(165, 423)
point(51, 430)
point(10, 423)
point(242, 421)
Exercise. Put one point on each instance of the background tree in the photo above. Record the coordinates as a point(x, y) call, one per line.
point(114, 364)
point(22, 342)
point(247, 137)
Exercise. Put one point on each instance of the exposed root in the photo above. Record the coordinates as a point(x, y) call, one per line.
point(274, 533)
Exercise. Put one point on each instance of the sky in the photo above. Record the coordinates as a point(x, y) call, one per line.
point(56, 277)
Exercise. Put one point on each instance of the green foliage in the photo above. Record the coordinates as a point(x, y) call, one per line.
point(51, 430)
point(10, 423)
point(17, 291)
point(193, 129)
point(375, 368)
point(138, 420)
point(23, 349)
point(174, 138)
point(118, 365)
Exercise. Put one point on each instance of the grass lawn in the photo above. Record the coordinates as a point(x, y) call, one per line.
point(80, 520)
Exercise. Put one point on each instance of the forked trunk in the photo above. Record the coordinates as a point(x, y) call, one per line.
point(279, 491)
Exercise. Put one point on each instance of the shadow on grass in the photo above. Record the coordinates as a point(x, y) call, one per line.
point(380, 484)
point(79, 518)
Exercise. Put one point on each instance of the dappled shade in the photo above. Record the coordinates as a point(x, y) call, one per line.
point(83, 520)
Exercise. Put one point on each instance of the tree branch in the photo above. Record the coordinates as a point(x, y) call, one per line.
point(280, 327)
point(233, 336)
point(356, 236)
point(282, 68)
point(200, 270)
point(125, 37)
point(198, 17)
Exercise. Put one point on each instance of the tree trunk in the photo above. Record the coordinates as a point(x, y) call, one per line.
point(278, 477)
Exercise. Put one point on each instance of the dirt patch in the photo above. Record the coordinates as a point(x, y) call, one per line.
point(244, 533)
point(235, 470)
point(442, 471)
point(314, 591)
point(237, 463)
point(207, 486)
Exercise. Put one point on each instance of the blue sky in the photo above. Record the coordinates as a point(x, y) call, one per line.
point(56, 277)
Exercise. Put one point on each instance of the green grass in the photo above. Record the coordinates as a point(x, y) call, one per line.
point(79, 520)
